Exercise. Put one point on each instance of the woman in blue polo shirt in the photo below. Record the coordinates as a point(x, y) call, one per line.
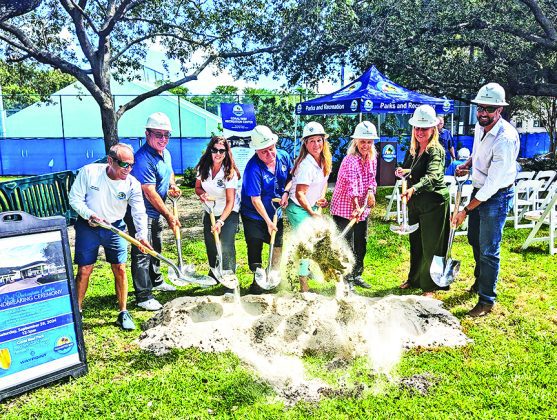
point(267, 176)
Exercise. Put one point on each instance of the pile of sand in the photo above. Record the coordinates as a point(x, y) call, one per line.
point(271, 332)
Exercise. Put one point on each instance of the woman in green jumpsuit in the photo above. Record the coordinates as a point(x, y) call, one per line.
point(428, 199)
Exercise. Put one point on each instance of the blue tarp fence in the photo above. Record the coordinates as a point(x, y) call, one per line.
point(22, 156)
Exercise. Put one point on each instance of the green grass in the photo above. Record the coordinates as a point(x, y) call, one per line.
point(509, 371)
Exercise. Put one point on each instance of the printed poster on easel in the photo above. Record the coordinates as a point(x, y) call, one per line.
point(39, 337)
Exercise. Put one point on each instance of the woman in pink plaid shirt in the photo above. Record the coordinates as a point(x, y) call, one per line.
point(354, 191)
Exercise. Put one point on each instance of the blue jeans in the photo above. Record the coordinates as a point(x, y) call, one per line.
point(485, 230)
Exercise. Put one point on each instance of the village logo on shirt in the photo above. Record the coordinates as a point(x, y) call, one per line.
point(121, 196)
point(220, 183)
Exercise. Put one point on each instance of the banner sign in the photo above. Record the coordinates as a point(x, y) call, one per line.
point(40, 328)
point(238, 117)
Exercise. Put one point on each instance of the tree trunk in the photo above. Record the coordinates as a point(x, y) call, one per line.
point(110, 127)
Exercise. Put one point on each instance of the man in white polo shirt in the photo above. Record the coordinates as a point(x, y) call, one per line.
point(493, 163)
point(102, 192)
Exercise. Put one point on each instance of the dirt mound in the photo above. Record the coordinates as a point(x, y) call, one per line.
point(271, 332)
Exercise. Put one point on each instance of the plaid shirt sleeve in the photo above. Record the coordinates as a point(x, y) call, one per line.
point(353, 180)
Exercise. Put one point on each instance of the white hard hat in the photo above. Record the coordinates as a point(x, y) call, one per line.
point(365, 130)
point(424, 117)
point(463, 153)
point(262, 137)
point(313, 128)
point(491, 94)
point(158, 121)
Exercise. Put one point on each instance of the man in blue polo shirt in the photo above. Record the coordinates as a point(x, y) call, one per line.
point(446, 139)
point(153, 170)
point(267, 176)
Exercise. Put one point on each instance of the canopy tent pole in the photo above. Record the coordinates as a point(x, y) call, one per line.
point(379, 125)
point(452, 123)
point(360, 117)
point(295, 151)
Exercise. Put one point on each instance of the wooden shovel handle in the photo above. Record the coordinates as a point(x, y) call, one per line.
point(131, 240)
point(213, 223)
point(403, 186)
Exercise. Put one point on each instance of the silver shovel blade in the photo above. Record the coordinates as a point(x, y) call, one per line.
point(452, 269)
point(444, 273)
point(229, 279)
point(273, 279)
point(437, 269)
point(226, 277)
point(403, 229)
point(186, 278)
point(264, 281)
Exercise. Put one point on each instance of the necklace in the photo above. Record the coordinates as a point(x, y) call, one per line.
point(414, 162)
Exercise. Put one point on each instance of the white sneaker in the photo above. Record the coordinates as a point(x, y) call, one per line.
point(150, 305)
point(164, 287)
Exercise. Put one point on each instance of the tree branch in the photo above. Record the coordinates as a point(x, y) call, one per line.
point(139, 40)
point(46, 57)
point(124, 7)
point(80, 30)
point(545, 23)
point(79, 8)
point(162, 88)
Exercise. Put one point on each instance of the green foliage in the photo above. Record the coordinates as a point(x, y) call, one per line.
point(26, 83)
point(189, 177)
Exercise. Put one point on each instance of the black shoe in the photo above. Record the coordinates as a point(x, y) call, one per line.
point(473, 290)
point(358, 281)
point(481, 309)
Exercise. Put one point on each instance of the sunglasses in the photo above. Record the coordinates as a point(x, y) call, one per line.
point(488, 109)
point(220, 151)
point(121, 163)
point(160, 136)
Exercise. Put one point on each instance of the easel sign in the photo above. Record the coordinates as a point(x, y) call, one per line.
point(41, 337)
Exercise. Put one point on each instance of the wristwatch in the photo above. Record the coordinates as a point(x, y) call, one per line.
point(466, 210)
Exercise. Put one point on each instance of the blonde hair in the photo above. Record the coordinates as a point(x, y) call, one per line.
point(433, 141)
point(353, 149)
point(326, 157)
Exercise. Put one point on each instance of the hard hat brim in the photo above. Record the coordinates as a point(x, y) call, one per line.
point(491, 103)
point(264, 145)
point(364, 137)
point(422, 124)
point(326, 136)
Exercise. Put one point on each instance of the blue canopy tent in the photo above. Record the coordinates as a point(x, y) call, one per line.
point(372, 92)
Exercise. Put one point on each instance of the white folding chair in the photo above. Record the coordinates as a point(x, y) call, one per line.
point(547, 177)
point(394, 197)
point(526, 196)
point(524, 176)
point(546, 215)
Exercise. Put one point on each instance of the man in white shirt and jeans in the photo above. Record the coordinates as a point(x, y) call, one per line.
point(101, 193)
point(493, 163)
